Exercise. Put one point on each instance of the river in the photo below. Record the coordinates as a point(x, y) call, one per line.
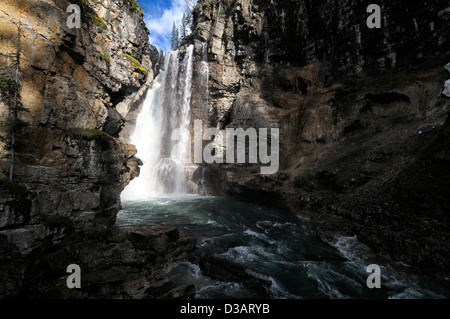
point(274, 245)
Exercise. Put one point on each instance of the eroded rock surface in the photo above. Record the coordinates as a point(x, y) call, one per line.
point(363, 121)
point(78, 87)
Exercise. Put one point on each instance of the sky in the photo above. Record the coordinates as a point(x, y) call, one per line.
point(159, 17)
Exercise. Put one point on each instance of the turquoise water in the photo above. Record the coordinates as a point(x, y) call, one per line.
point(274, 245)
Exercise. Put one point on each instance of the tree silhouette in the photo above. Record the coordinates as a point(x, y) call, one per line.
point(161, 58)
point(175, 39)
point(184, 25)
point(10, 84)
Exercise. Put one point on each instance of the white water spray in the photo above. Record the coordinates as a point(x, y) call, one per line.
point(166, 109)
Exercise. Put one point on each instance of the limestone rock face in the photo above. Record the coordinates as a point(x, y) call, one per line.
point(78, 86)
point(361, 114)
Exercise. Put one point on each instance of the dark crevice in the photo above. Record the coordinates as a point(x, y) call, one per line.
point(226, 120)
point(387, 98)
point(69, 46)
point(121, 95)
point(353, 127)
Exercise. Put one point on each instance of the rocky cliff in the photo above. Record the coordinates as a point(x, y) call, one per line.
point(75, 90)
point(364, 126)
point(364, 132)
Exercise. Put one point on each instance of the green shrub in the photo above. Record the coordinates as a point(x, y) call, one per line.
point(7, 85)
point(219, 13)
point(91, 16)
point(87, 133)
point(14, 123)
point(136, 6)
point(106, 58)
point(135, 62)
point(99, 22)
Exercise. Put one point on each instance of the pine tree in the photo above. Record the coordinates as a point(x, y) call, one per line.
point(184, 26)
point(161, 58)
point(174, 40)
point(10, 94)
point(189, 18)
point(190, 4)
point(188, 15)
point(16, 103)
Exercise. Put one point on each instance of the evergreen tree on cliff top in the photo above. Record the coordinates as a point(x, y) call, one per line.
point(174, 40)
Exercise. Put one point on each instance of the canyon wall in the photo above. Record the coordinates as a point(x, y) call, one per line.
point(364, 126)
point(364, 132)
point(78, 87)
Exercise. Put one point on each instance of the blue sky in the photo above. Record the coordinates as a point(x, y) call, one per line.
point(159, 17)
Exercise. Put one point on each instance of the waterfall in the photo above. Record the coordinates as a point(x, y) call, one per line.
point(165, 115)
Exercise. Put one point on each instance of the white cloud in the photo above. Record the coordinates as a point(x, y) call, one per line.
point(161, 26)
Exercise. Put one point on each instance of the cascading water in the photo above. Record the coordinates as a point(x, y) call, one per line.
point(166, 111)
point(273, 245)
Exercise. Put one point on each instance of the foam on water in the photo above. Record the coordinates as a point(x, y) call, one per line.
point(274, 245)
point(350, 248)
point(166, 110)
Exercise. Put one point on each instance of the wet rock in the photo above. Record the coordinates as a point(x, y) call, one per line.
point(226, 271)
point(182, 292)
point(158, 238)
point(349, 102)
point(126, 264)
point(77, 87)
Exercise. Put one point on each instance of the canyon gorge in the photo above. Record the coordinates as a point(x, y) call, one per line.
point(363, 121)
